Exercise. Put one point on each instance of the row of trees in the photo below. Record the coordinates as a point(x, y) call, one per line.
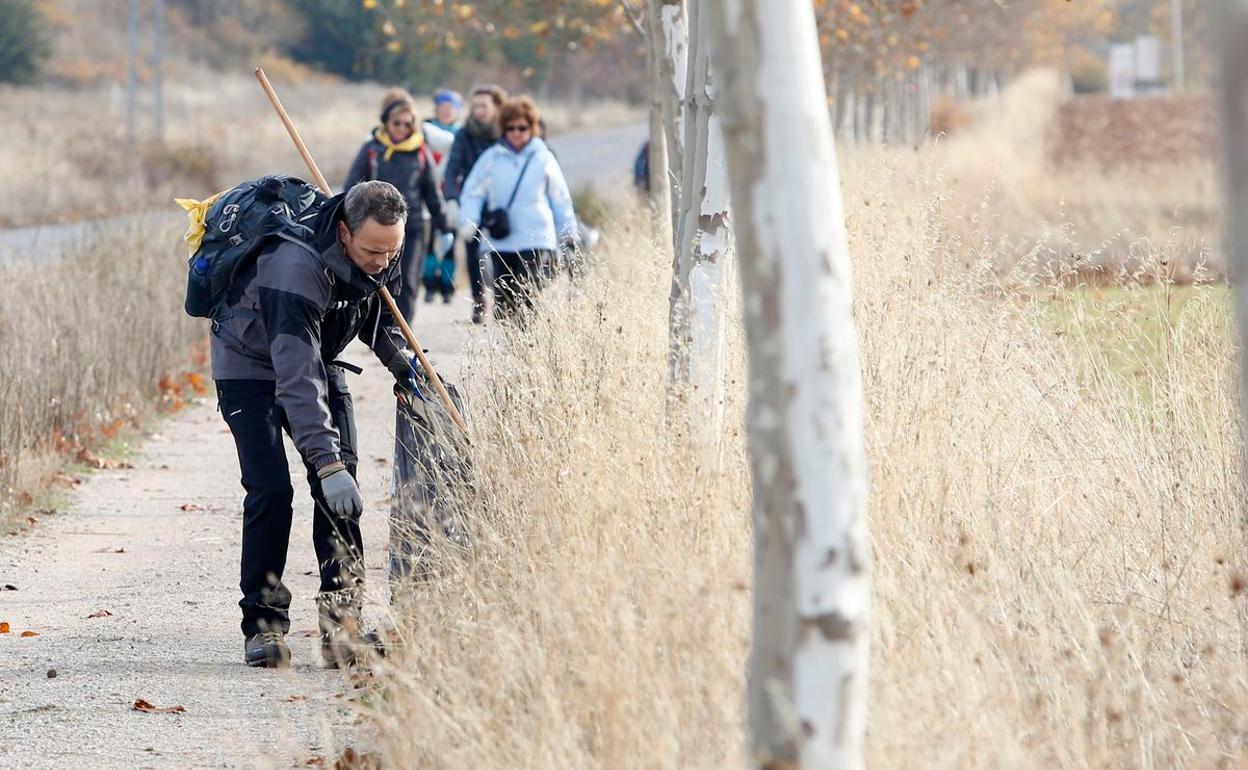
point(24, 42)
point(743, 161)
point(541, 44)
point(758, 112)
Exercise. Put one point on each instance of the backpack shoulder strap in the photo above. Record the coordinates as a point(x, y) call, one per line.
point(515, 190)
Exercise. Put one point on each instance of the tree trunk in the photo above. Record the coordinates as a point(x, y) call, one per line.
point(660, 181)
point(1232, 30)
point(696, 304)
point(808, 666)
point(669, 17)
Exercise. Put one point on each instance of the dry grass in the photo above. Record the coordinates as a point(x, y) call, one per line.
point(1015, 203)
point(1056, 544)
point(606, 592)
point(91, 345)
point(220, 131)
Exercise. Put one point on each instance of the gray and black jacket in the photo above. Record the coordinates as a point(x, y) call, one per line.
point(288, 317)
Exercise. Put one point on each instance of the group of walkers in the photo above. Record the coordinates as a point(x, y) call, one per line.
point(489, 181)
point(292, 304)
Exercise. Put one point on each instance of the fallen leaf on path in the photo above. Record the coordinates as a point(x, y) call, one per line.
point(31, 520)
point(4, 628)
point(354, 760)
point(315, 762)
point(196, 381)
point(28, 634)
point(306, 633)
point(9, 587)
point(293, 698)
point(110, 550)
point(190, 507)
point(85, 457)
point(100, 614)
point(144, 706)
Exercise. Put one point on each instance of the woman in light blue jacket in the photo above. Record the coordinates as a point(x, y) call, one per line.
point(520, 176)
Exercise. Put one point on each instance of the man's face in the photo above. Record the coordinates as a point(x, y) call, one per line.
point(446, 113)
point(373, 245)
point(483, 108)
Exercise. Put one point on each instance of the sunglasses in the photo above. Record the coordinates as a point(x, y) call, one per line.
point(402, 124)
point(519, 128)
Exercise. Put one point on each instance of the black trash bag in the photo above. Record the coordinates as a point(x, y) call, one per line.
point(432, 468)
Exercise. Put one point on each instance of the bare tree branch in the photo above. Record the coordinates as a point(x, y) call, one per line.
point(634, 17)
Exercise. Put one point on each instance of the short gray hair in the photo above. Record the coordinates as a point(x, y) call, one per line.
point(377, 200)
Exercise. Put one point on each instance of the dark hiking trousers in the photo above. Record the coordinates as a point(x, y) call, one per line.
point(257, 421)
point(474, 264)
point(517, 279)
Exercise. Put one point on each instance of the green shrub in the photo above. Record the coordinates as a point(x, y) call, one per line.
point(24, 42)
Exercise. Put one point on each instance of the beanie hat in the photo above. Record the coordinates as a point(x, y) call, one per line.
point(447, 96)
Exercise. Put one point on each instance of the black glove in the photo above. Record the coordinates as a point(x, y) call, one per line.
point(410, 380)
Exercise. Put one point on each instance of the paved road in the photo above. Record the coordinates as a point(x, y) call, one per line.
point(601, 158)
point(157, 546)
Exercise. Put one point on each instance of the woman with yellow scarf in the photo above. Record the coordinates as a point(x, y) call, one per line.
point(397, 153)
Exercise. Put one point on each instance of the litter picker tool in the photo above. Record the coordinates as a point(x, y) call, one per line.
point(384, 292)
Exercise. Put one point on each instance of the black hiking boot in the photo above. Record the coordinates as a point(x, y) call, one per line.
point(266, 649)
point(478, 312)
point(343, 640)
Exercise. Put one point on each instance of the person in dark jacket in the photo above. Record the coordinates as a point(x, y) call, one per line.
point(397, 154)
point(474, 138)
point(275, 349)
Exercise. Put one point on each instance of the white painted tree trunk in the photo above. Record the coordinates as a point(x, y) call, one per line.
point(808, 666)
point(673, 73)
point(660, 180)
point(696, 310)
point(707, 290)
point(1232, 29)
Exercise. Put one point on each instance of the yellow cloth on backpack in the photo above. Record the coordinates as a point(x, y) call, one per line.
point(197, 213)
point(410, 144)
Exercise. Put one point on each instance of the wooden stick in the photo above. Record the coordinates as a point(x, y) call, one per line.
point(384, 292)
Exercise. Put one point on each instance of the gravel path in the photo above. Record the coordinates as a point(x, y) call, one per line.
point(157, 546)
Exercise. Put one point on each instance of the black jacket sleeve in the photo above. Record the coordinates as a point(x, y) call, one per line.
point(294, 296)
point(432, 197)
point(456, 166)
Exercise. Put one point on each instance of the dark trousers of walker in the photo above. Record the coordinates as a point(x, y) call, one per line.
point(474, 264)
point(517, 279)
point(257, 421)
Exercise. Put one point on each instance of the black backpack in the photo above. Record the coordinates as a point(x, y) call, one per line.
point(236, 225)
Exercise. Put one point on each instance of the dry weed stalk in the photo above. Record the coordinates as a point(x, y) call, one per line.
point(1054, 533)
point(86, 342)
